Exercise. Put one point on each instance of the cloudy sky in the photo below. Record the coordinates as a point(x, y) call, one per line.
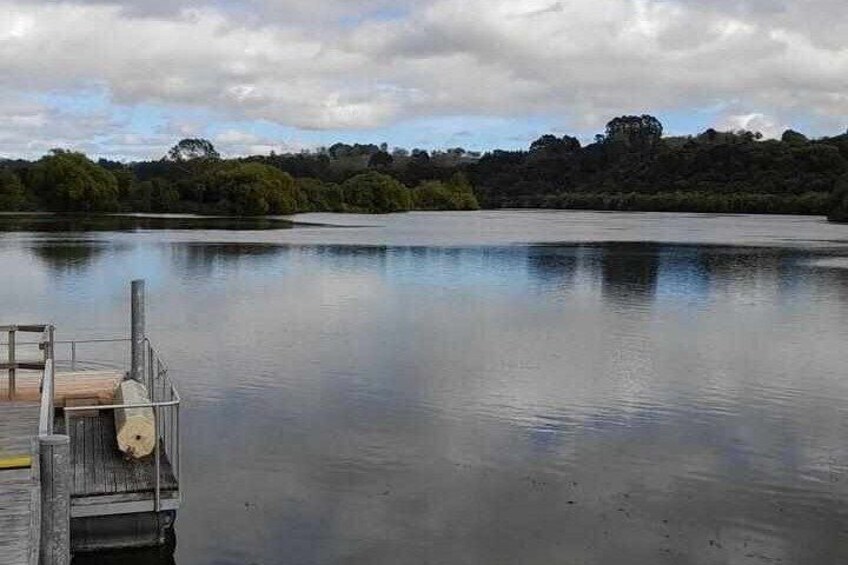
point(128, 78)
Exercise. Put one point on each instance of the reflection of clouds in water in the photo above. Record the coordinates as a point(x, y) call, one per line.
point(828, 262)
point(397, 421)
point(598, 402)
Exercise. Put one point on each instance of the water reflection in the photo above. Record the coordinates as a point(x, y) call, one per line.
point(610, 403)
point(63, 257)
point(201, 260)
point(48, 223)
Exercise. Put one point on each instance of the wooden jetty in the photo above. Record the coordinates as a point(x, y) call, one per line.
point(20, 493)
point(64, 485)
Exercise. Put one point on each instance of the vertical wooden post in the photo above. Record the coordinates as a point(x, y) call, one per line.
point(137, 330)
point(12, 364)
point(55, 467)
point(51, 333)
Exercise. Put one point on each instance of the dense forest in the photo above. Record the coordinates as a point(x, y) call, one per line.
point(631, 166)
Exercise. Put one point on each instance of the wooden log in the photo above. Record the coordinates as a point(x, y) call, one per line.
point(99, 385)
point(74, 401)
point(135, 427)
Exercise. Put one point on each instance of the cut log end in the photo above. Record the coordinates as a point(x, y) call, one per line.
point(135, 427)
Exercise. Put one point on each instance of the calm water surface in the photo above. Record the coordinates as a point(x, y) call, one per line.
point(482, 388)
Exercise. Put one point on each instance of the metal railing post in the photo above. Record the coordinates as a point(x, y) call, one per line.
point(73, 356)
point(150, 355)
point(176, 454)
point(156, 459)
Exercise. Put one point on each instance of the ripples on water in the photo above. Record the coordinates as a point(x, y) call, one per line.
point(496, 387)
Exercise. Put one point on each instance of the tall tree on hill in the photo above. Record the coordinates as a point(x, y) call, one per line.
point(190, 149)
point(634, 131)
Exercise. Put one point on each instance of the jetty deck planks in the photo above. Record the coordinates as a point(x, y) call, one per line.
point(19, 491)
point(99, 468)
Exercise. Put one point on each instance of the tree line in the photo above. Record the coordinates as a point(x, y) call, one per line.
point(193, 178)
point(630, 166)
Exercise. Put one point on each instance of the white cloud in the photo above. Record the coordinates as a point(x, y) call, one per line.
point(333, 64)
point(756, 122)
point(238, 142)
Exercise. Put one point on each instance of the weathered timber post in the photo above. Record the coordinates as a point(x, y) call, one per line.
point(12, 346)
point(137, 330)
point(55, 467)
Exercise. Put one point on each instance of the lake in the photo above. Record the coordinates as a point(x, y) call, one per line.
point(494, 387)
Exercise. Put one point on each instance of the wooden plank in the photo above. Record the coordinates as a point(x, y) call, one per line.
point(28, 328)
point(35, 518)
point(84, 384)
point(118, 507)
point(100, 457)
point(18, 425)
point(99, 468)
point(122, 481)
point(16, 521)
point(19, 492)
point(78, 453)
point(55, 455)
point(109, 481)
point(23, 365)
point(35, 525)
point(88, 460)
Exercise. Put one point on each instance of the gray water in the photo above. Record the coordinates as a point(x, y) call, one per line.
point(481, 388)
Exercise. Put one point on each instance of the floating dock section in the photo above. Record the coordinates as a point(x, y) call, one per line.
point(65, 486)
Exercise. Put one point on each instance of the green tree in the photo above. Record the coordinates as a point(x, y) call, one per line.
point(253, 189)
point(156, 195)
point(380, 160)
point(375, 192)
point(794, 138)
point(839, 201)
point(432, 195)
point(67, 181)
point(463, 192)
point(12, 192)
point(634, 131)
point(191, 149)
point(318, 196)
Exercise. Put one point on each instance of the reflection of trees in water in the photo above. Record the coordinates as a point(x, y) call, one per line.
point(828, 273)
point(63, 257)
point(636, 272)
point(56, 223)
point(629, 271)
point(204, 258)
point(557, 265)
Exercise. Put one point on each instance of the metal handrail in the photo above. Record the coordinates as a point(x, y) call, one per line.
point(162, 394)
point(165, 402)
point(74, 343)
point(66, 341)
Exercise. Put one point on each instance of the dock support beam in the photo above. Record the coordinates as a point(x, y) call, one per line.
point(55, 467)
point(137, 331)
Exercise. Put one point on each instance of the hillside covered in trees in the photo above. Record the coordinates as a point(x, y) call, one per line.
point(631, 166)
